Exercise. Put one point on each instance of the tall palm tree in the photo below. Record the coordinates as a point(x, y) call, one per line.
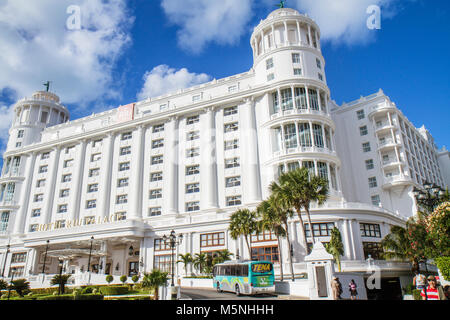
point(275, 218)
point(154, 280)
point(186, 259)
point(200, 261)
point(297, 189)
point(243, 223)
point(335, 247)
point(222, 256)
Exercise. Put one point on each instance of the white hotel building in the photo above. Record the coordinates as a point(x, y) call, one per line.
point(187, 160)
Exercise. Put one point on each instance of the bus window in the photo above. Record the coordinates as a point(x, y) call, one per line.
point(215, 271)
point(234, 270)
point(228, 270)
point(244, 271)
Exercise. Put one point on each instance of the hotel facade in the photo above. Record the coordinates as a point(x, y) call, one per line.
point(108, 187)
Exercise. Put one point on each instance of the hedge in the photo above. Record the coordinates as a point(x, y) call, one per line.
point(60, 297)
point(114, 290)
point(89, 296)
point(443, 263)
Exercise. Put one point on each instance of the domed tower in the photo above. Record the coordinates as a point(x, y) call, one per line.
point(31, 117)
point(288, 61)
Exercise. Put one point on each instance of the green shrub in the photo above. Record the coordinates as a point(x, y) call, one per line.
point(409, 289)
point(123, 279)
point(443, 263)
point(416, 294)
point(88, 290)
point(109, 278)
point(60, 297)
point(114, 291)
point(89, 296)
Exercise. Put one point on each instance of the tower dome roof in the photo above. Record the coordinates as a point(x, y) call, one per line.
point(283, 12)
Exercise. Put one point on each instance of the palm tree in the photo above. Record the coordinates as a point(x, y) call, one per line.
point(335, 247)
point(186, 259)
point(61, 281)
point(275, 218)
point(297, 189)
point(200, 261)
point(243, 223)
point(222, 256)
point(154, 280)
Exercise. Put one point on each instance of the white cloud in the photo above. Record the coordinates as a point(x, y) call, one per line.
point(37, 46)
point(163, 79)
point(6, 117)
point(208, 21)
point(344, 21)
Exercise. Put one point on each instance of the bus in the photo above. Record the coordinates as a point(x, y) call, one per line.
point(244, 277)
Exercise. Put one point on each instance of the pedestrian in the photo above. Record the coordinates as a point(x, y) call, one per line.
point(433, 291)
point(419, 281)
point(337, 288)
point(352, 289)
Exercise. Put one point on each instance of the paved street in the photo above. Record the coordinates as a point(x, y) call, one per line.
point(211, 294)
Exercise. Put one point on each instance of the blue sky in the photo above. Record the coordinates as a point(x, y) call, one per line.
point(124, 45)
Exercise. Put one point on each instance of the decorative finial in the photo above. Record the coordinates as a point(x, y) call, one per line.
point(281, 4)
point(47, 85)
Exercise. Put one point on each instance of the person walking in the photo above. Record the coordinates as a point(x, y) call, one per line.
point(336, 286)
point(352, 289)
point(419, 281)
point(433, 291)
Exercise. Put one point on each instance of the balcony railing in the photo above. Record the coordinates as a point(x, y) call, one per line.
point(295, 111)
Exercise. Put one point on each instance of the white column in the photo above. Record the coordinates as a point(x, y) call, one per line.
point(299, 32)
point(329, 176)
point(106, 185)
point(294, 103)
point(307, 98)
point(297, 135)
point(170, 178)
point(50, 185)
point(19, 223)
point(249, 153)
point(136, 176)
point(273, 36)
point(208, 165)
point(313, 139)
point(286, 39)
point(310, 36)
point(77, 189)
point(346, 238)
point(262, 42)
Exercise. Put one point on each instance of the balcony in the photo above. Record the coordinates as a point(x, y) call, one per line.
point(283, 113)
point(391, 164)
point(381, 109)
point(288, 151)
point(387, 144)
point(396, 181)
point(384, 127)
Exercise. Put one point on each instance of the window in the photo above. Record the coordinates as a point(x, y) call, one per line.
point(231, 144)
point(156, 194)
point(153, 212)
point(67, 178)
point(97, 143)
point(125, 150)
point(193, 152)
point(193, 135)
point(319, 63)
point(163, 263)
point(192, 206)
point(157, 159)
point(370, 230)
point(93, 187)
point(366, 147)
point(269, 253)
point(293, 166)
point(89, 220)
point(363, 130)
point(232, 163)
point(192, 120)
point(36, 213)
point(296, 58)
point(286, 99)
point(40, 183)
point(43, 169)
point(68, 163)
point(320, 76)
point(212, 239)
point(19, 257)
point(33, 227)
point(297, 71)
point(230, 111)
point(69, 149)
point(94, 172)
point(62, 208)
point(270, 77)
point(38, 197)
point(64, 193)
point(319, 229)
point(322, 170)
point(300, 98)
point(369, 164)
point(230, 127)
point(232, 181)
point(313, 101)
point(360, 114)
point(45, 155)
point(157, 143)
point(96, 157)
point(20, 134)
point(264, 236)
point(191, 170)
point(18, 144)
point(59, 224)
point(318, 136)
point(372, 182)
point(290, 136)
point(158, 128)
point(304, 134)
point(4, 220)
point(161, 245)
point(156, 176)
point(233, 201)
point(121, 199)
point(124, 166)
point(232, 88)
point(44, 116)
point(126, 136)
point(375, 200)
point(196, 98)
point(374, 249)
point(121, 216)
point(90, 204)
point(269, 63)
point(122, 182)
point(193, 188)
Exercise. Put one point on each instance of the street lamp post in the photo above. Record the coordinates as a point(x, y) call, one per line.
point(60, 264)
point(89, 260)
point(430, 197)
point(45, 258)
point(13, 271)
point(6, 257)
point(174, 241)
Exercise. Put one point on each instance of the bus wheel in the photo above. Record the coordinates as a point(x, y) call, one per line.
point(218, 287)
point(237, 291)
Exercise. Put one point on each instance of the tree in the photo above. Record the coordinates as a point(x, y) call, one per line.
point(3, 284)
point(109, 278)
point(186, 259)
point(60, 280)
point(20, 286)
point(297, 189)
point(200, 261)
point(243, 223)
point(154, 280)
point(123, 279)
point(274, 217)
point(335, 247)
point(222, 256)
point(437, 226)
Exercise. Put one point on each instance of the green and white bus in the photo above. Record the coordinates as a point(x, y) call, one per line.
point(244, 277)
